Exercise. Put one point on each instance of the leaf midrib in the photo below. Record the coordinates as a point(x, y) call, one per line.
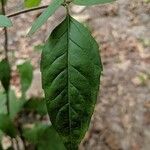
point(68, 77)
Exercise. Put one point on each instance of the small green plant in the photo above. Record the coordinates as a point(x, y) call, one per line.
point(71, 68)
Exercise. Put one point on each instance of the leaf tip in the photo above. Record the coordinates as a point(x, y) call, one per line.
point(30, 33)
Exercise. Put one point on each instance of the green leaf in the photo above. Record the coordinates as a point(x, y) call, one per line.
point(92, 2)
point(5, 74)
point(26, 75)
point(71, 69)
point(32, 3)
point(5, 21)
point(44, 137)
point(15, 104)
point(3, 109)
point(37, 105)
point(45, 15)
point(7, 126)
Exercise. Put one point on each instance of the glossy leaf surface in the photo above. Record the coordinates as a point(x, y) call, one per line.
point(71, 69)
point(92, 2)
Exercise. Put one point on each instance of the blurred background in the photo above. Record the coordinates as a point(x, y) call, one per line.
point(121, 120)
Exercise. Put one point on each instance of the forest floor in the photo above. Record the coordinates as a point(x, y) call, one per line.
point(121, 120)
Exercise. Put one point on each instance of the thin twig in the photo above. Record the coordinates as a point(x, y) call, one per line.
point(6, 52)
point(5, 32)
point(26, 11)
point(7, 102)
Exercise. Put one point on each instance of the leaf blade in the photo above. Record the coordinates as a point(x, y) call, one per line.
point(7, 126)
point(5, 72)
point(26, 75)
point(5, 21)
point(44, 137)
point(32, 3)
point(45, 15)
point(70, 79)
point(15, 104)
point(3, 109)
point(92, 2)
point(36, 104)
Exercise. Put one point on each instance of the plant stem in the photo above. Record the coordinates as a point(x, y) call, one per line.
point(6, 52)
point(26, 11)
point(5, 32)
point(7, 102)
